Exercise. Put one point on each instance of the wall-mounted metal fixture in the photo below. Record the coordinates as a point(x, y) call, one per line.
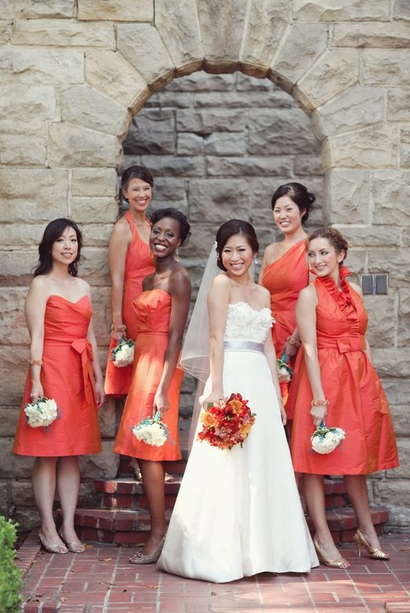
point(375, 284)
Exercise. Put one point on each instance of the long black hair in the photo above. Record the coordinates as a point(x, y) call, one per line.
point(52, 232)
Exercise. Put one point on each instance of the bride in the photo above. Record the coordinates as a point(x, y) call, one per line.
point(238, 511)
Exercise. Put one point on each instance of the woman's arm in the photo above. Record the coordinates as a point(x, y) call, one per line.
point(271, 359)
point(99, 382)
point(119, 242)
point(368, 349)
point(180, 290)
point(35, 308)
point(218, 300)
point(266, 260)
point(306, 323)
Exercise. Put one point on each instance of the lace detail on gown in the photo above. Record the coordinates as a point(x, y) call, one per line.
point(245, 322)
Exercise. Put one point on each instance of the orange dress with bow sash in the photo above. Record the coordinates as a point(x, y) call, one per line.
point(67, 376)
point(139, 263)
point(357, 402)
point(153, 311)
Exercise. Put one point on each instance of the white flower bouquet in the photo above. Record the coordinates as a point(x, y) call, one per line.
point(42, 412)
point(123, 354)
point(151, 431)
point(325, 440)
point(285, 372)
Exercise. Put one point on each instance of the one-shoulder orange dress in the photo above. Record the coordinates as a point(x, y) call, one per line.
point(284, 279)
point(357, 402)
point(153, 311)
point(138, 264)
point(67, 376)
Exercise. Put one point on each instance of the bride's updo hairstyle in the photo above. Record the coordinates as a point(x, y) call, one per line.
point(230, 228)
point(335, 238)
point(299, 194)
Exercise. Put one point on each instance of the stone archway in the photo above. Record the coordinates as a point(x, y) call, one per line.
point(73, 76)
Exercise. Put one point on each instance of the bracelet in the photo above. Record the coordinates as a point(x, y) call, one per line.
point(35, 362)
point(318, 402)
point(292, 341)
point(118, 328)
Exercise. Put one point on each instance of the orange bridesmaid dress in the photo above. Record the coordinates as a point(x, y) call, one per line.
point(153, 311)
point(357, 402)
point(284, 279)
point(67, 376)
point(138, 264)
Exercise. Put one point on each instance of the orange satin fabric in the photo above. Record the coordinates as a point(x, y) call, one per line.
point(138, 264)
point(357, 402)
point(66, 376)
point(284, 279)
point(153, 311)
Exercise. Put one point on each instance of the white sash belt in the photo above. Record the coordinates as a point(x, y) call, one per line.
point(243, 345)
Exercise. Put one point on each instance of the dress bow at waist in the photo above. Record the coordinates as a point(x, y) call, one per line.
point(344, 344)
point(84, 348)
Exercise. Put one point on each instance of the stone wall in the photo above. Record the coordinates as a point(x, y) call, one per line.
point(74, 73)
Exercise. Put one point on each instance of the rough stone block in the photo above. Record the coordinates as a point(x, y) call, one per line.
point(392, 261)
point(390, 191)
point(365, 148)
point(62, 33)
point(20, 203)
point(16, 267)
point(133, 41)
point(25, 109)
point(347, 197)
point(403, 471)
point(206, 121)
point(218, 200)
point(94, 266)
point(308, 166)
point(16, 150)
point(116, 10)
point(27, 518)
point(27, 9)
point(9, 417)
point(22, 493)
point(335, 71)
point(248, 166)
point(398, 104)
point(83, 106)
point(222, 25)
point(393, 361)
point(400, 414)
point(101, 300)
point(342, 10)
point(98, 235)
point(225, 143)
point(108, 419)
point(371, 236)
point(13, 466)
point(4, 499)
point(401, 10)
point(202, 82)
point(13, 329)
point(94, 182)
point(4, 32)
point(382, 314)
point(85, 210)
point(349, 111)
point(385, 67)
point(109, 73)
point(190, 144)
point(265, 24)
point(170, 191)
point(72, 146)
point(298, 51)
point(104, 464)
point(165, 165)
point(279, 132)
point(151, 131)
point(56, 67)
point(372, 34)
point(403, 337)
point(177, 22)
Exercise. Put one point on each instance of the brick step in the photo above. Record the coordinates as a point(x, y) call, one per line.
point(130, 527)
point(129, 494)
point(175, 468)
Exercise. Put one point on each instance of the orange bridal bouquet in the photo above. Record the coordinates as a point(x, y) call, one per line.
point(226, 423)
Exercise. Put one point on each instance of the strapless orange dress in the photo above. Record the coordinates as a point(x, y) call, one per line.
point(357, 402)
point(153, 311)
point(138, 264)
point(67, 376)
point(284, 279)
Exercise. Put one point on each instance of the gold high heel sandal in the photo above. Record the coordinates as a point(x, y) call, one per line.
point(374, 552)
point(142, 558)
point(72, 546)
point(323, 559)
point(57, 548)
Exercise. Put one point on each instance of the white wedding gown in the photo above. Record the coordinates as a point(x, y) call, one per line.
point(238, 511)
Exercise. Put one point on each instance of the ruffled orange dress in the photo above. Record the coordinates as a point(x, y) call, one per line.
point(67, 376)
point(357, 402)
point(138, 264)
point(153, 311)
point(284, 279)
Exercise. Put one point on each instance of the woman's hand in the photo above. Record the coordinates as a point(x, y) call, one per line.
point(283, 415)
point(161, 404)
point(99, 392)
point(36, 392)
point(318, 413)
point(118, 333)
point(215, 397)
point(290, 351)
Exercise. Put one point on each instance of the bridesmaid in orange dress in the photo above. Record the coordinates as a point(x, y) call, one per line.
point(338, 382)
point(58, 314)
point(284, 270)
point(130, 261)
point(161, 313)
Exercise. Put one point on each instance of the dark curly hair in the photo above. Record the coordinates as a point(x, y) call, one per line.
point(52, 232)
point(335, 238)
point(184, 226)
point(230, 228)
point(300, 196)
